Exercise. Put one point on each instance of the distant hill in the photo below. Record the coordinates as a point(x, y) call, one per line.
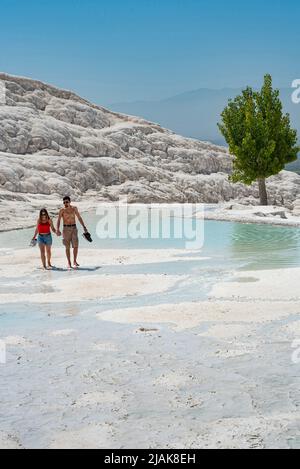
point(196, 113)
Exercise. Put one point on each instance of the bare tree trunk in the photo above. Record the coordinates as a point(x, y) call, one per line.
point(263, 192)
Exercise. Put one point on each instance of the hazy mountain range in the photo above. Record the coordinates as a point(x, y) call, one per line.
point(196, 113)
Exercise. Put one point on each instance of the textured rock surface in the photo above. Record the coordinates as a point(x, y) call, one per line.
point(52, 142)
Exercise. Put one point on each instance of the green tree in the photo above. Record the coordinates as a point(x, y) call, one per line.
point(259, 135)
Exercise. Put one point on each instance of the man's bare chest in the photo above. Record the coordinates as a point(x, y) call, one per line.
point(68, 215)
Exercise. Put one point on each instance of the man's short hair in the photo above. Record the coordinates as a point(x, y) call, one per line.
point(67, 198)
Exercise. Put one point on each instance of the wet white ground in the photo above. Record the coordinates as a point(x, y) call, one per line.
point(140, 349)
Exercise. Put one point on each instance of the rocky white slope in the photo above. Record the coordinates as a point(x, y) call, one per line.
point(53, 143)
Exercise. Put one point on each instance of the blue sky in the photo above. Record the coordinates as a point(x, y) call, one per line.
point(125, 50)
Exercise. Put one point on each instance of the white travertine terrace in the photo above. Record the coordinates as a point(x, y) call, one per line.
point(53, 143)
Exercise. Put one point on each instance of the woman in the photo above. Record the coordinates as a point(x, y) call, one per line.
point(43, 230)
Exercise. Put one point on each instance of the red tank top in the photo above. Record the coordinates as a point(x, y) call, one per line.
point(44, 228)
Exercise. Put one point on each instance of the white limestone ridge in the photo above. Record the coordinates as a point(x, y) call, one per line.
point(54, 143)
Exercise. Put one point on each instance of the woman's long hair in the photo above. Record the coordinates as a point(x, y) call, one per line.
point(42, 213)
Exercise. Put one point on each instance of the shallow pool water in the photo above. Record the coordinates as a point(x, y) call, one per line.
point(242, 246)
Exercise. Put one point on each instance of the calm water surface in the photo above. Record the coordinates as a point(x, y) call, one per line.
point(240, 245)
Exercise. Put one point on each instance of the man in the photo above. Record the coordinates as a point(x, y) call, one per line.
point(70, 233)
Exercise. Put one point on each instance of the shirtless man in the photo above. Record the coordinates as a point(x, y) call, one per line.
point(70, 233)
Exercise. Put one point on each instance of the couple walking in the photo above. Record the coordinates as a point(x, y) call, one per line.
point(45, 225)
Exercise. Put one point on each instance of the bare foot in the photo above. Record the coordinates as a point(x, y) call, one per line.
point(69, 267)
point(76, 264)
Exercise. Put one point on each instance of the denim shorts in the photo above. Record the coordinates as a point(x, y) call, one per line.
point(45, 240)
